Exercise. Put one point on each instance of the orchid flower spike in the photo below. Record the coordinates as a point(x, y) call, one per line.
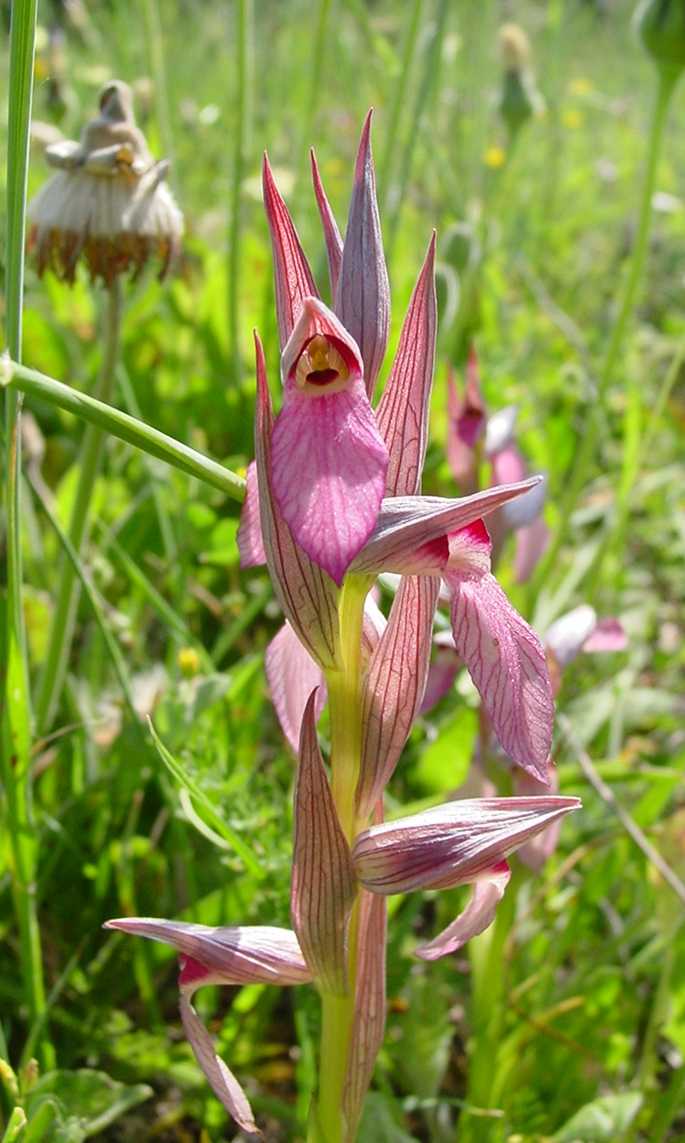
point(242, 955)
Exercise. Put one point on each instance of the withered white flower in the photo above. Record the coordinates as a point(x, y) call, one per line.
point(108, 202)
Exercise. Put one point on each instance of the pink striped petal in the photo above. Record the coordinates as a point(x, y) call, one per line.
point(394, 686)
point(470, 549)
point(507, 663)
point(241, 954)
point(328, 459)
point(250, 541)
point(292, 675)
point(363, 296)
point(307, 595)
point(608, 635)
point(535, 852)
point(334, 243)
point(402, 413)
point(369, 1009)
point(293, 279)
point(406, 524)
point(476, 917)
point(452, 844)
point(221, 1080)
point(531, 544)
point(441, 675)
point(323, 881)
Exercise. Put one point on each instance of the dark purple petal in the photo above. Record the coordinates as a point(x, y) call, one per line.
point(307, 595)
point(293, 279)
point(363, 297)
point(334, 243)
point(402, 413)
point(292, 675)
point(323, 882)
point(394, 685)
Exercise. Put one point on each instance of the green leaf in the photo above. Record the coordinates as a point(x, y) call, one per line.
point(81, 1104)
point(601, 1121)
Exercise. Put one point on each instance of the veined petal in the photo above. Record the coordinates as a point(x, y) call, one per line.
point(250, 541)
point(307, 595)
point(406, 524)
point(402, 413)
point(240, 954)
point(316, 320)
point(292, 675)
point(293, 279)
point(369, 1008)
point(221, 1079)
point(329, 466)
point(507, 663)
point(476, 917)
point(452, 844)
point(394, 685)
point(331, 233)
point(441, 675)
point(363, 296)
point(323, 882)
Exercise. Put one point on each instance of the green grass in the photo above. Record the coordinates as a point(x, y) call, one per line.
point(592, 973)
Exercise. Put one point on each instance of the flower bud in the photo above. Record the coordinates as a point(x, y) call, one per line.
point(519, 98)
point(661, 27)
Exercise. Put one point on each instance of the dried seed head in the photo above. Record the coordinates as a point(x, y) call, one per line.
point(514, 47)
point(108, 203)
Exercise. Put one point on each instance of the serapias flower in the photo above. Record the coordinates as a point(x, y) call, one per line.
point(458, 843)
point(108, 203)
point(251, 954)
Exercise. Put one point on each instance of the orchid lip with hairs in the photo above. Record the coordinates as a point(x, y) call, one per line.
point(333, 500)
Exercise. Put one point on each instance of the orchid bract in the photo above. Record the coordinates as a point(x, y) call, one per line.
point(334, 500)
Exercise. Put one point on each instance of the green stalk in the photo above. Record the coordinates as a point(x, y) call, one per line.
point(345, 705)
point(17, 377)
point(16, 703)
point(590, 436)
point(64, 618)
point(244, 21)
point(410, 45)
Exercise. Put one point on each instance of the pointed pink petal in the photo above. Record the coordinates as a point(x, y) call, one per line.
point(243, 954)
point(292, 675)
point(363, 296)
point(507, 663)
point(608, 635)
point(293, 278)
point(452, 844)
point(407, 523)
point(369, 1008)
point(531, 545)
point(222, 1081)
point(476, 917)
point(323, 881)
point(394, 686)
point(402, 413)
point(250, 542)
point(329, 466)
point(307, 595)
point(535, 852)
point(334, 243)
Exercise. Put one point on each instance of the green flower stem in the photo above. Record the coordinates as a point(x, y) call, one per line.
point(64, 618)
point(590, 436)
point(15, 703)
point(17, 377)
point(344, 697)
point(242, 112)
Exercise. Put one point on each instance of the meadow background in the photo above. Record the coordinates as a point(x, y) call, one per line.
point(591, 1001)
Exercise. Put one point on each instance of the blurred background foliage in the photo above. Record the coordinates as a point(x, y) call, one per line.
point(590, 1029)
